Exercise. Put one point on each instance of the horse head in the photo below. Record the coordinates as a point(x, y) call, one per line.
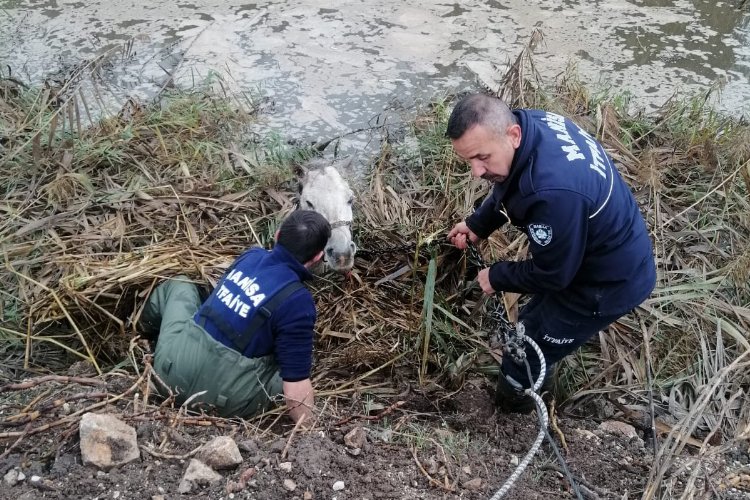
point(323, 189)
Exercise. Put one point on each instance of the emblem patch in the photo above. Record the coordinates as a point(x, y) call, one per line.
point(540, 233)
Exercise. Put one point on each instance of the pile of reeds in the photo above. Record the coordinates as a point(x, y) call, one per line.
point(95, 218)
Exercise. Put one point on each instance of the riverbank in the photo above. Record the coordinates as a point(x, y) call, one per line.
point(96, 215)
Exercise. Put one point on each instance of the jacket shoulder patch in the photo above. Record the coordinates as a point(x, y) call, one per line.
point(540, 233)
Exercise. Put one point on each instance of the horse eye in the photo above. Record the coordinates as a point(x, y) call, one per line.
point(351, 200)
point(310, 205)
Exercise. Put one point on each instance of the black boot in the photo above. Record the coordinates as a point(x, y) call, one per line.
point(510, 396)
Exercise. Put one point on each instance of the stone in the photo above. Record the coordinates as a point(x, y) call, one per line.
point(514, 460)
point(277, 446)
point(220, 453)
point(106, 441)
point(289, 485)
point(338, 486)
point(587, 434)
point(466, 470)
point(473, 484)
point(355, 438)
point(197, 474)
point(249, 446)
point(285, 466)
point(13, 477)
point(618, 428)
point(307, 495)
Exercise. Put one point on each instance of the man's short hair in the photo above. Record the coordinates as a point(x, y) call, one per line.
point(479, 109)
point(304, 233)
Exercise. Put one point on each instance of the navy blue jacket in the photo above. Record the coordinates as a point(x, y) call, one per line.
point(253, 278)
point(588, 240)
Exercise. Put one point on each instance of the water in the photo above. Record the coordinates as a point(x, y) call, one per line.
point(332, 67)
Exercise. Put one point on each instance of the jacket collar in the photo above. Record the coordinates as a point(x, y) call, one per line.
point(282, 254)
point(522, 155)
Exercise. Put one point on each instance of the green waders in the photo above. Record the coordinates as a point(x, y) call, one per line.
point(190, 361)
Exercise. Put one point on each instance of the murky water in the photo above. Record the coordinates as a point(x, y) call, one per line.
point(337, 66)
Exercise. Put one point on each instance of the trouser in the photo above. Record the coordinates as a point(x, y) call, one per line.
point(190, 361)
point(557, 330)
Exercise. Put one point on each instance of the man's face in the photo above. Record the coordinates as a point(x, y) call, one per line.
point(489, 153)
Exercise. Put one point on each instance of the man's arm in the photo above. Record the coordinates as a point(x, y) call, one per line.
point(300, 399)
point(488, 217)
point(558, 227)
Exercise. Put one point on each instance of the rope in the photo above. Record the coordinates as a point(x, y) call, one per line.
point(513, 339)
point(543, 418)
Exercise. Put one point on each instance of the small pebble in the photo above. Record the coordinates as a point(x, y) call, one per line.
point(286, 466)
point(290, 485)
point(338, 486)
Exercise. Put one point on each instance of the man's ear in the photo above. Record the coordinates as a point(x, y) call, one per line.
point(317, 258)
point(514, 133)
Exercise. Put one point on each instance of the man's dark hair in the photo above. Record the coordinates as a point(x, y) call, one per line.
point(479, 109)
point(304, 233)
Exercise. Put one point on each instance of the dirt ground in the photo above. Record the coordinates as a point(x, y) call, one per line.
point(421, 444)
point(432, 446)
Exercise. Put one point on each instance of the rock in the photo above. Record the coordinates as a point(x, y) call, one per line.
point(355, 438)
point(473, 484)
point(199, 474)
point(285, 466)
point(277, 446)
point(618, 428)
point(307, 495)
point(466, 470)
point(587, 434)
point(13, 477)
point(158, 497)
point(354, 451)
point(514, 461)
point(289, 485)
point(106, 441)
point(220, 453)
point(338, 486)
point(249, 446)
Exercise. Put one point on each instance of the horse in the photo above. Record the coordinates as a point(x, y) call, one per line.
point(324, 190)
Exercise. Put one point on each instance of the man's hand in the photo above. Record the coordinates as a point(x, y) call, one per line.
point(484, 281)
point(300, 398)
point(459, 234)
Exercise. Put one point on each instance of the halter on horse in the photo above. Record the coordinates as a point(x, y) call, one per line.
point(323, 189)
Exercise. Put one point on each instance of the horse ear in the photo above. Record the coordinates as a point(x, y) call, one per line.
point(300, 171)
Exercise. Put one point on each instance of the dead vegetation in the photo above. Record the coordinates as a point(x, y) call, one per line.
point(96, 215)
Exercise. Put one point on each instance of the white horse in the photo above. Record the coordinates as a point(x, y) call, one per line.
point(321, 188)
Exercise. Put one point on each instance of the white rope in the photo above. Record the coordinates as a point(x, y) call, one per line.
point(543, 419)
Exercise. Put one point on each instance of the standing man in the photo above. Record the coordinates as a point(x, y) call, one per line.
point(252, 339)
point(592, 259)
